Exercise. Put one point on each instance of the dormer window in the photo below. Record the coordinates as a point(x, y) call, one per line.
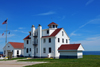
point(53, 25)
point(47, 31)
point(56, 26)
point(62, 33)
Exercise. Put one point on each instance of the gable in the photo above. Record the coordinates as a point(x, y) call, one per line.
point(60, 34)
point(80, 48)
point(54, 33)
point(6, 46)
point(27, 37)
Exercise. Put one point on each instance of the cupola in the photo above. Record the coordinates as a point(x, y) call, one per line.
point(53, 25)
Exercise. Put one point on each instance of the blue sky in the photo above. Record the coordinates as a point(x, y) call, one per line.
point(79, 18)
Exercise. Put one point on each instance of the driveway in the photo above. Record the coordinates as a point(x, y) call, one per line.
point(14, 63)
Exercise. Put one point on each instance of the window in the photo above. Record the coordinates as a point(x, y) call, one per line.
point(44, 50)
point(56, 26)
point(17, 51)
point(62, 40)
point(49, 49)
point(66, 41)
point(53, 26)
point(47, 31)
point(62, 33)
point(58, 39)
point(37, 50)
point(37, 40)
point(12, 51)
point(44, 40)
point(49, 40)
point(8, 46)
point(27, 50)
point(4, 52)
point(30, 49)
point(27, 41)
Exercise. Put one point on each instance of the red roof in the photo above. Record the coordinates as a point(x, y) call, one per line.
point(27, 37)
point(54, 33)
point(17, 45)
point(69, 47)
point(53, 24)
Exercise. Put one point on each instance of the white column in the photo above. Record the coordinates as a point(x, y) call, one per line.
point(39, 39)
point(32, 40)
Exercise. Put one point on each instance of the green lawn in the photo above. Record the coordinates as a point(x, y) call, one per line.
point(17, 58)
point(13, 59)
point(87, 61)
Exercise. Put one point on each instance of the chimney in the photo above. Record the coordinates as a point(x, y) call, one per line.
point(32, 30)
point(39, 39)
point(32, 39)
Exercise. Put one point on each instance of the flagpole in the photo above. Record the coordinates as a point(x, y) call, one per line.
point(6, 37)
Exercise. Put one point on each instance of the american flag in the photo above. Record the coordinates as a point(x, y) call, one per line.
point(5, 22)
point(2, 34)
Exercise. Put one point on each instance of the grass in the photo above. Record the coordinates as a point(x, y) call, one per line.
point(86, 61)
point(13, 59)
point(18, 58)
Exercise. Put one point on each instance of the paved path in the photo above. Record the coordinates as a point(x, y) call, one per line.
point(14, 63)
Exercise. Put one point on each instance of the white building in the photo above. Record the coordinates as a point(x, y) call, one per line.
point(45, 42)
point(71, 51)
point(15, 47)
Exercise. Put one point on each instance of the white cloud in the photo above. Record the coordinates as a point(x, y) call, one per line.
point(8, 35)
point(19, 31)
point(21, 28)
point(63, 17)
point(14, 30)
point(94, 21)
point(47, 13)
point(24, 32)
point(74, 34)
point(90, 1)
point(89, 41)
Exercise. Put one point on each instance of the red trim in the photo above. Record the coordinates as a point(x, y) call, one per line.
point(17, 45)
point(53, 24)
point(69, 47)
point(54, 33)
point(27, 37)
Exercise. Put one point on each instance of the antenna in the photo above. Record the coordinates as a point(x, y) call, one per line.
point(51, 19)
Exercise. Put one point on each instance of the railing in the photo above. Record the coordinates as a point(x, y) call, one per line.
point(35, 43)
point(35, 35)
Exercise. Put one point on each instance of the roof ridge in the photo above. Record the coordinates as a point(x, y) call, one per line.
point(15, 42)
point(69, 47)
point(53, 23)
point(55, 31)
point(71, 44)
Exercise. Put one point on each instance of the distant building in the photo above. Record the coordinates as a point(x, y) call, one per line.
point(15, 47)
point(1, 54)
point(45, 42)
